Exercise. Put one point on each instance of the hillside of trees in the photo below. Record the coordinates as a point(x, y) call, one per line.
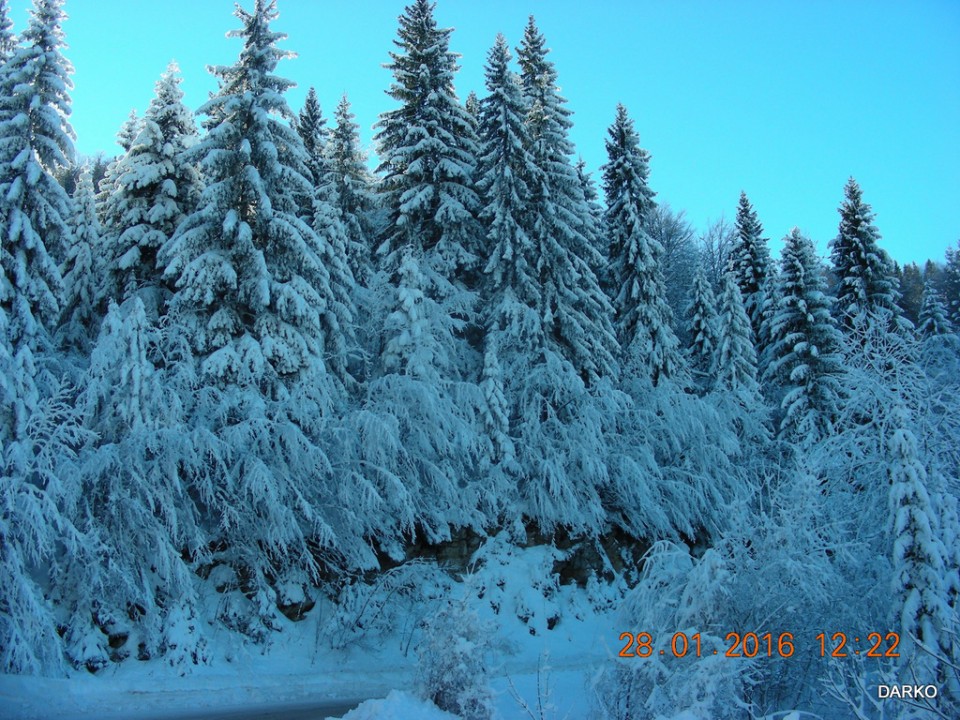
point(237, 361)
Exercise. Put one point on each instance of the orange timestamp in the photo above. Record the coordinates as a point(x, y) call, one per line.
point(751, 645)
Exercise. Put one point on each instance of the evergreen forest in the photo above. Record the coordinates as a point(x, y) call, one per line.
point(245, 371)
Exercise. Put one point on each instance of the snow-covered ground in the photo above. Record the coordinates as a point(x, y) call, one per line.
point(512, 597)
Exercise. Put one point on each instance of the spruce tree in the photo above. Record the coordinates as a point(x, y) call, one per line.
point(320, 207)
point(593, 228)
point(865, 283)
point(106, 208)
point(933, 318)
point(505, 164)
point(951, 284)
point(83, 271)
point(574, 310)
point(248, 272)
point(154, 188)
point(251, 293)
point(132, 497)
point(735, 360)
point(702, 323)
point(312, 128)
point(130, 129)
point(750, 263)
point(920, 609)
point(339, 315)
point(805, 360)
point(35, 211)
point(511, 293)
point(909, 289)
point(353, 185)
point(472, 106)
point(420, 395)
point(544, 411)
point(8, 41)
point(39, 434)
point(651, 350)
point(427, 148)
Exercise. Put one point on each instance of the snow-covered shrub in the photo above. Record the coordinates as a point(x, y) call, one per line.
point(453, 671)
point(395, 601)
point(678, 594)
point(774, 569)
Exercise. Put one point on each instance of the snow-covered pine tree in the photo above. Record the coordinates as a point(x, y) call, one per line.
point(702, 323)
point(510, 291)
point(312, 127)
point(130, 129)
point(38, 429)
point(354, 195)
point(35, 211)
point(951, 284)
point(804, 356)
point(735, 359)
point(83, 271)
point(933, 319)
point(472, 106)
point(428, 152)
point(134, 499)
point(574, 309)
point(249, 278)
point(909, 290)
point(650, 347)
point(504, 169)
point(751, 265)
point(39, 540)
point(593, 228)
point(920, 605)
point(428, 149)
point(154, 188)
point(550, 431)
point(339, 316)
point(320, 208)
point(8, 41)
point(251, 290)
point(866, 286)
point(125, 136)
point(419, 415)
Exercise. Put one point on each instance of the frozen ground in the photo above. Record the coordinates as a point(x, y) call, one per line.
point(326, 661)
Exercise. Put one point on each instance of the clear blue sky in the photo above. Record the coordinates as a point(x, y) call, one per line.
point(784, 100)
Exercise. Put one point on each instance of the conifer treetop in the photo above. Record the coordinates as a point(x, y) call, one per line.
point(35, 211)
point(548, 116)
point(865, 280)
point(36, 84)
point(735, 362)
point(258, 59)
point(129, 130)
point(573, 310)
point(154, 187)
point(312, 127)
point(8, 41)
point(805, 345)
point(750, 263)
point(934, 318)
point(643, 315)
point(427, 145)
point(504, 165)
point(703, 319)
point(250, 282)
